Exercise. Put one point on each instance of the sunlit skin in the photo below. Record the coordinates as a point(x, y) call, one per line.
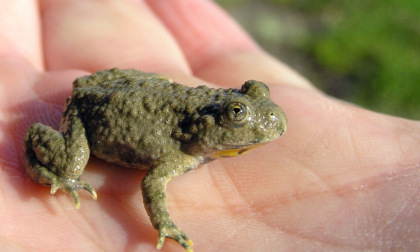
point(341, 178)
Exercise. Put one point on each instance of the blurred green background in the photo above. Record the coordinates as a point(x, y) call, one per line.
point(363, 51)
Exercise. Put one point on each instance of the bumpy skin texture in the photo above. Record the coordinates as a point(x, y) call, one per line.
point(146, 121)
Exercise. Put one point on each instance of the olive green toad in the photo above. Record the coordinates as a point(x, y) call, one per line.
point(147, 121)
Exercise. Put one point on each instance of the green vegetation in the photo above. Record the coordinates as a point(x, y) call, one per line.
point(363, 51)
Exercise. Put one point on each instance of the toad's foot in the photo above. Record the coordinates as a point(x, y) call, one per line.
point(154, 196)
point(170, 230)
point(58, 158)
point(71, 187)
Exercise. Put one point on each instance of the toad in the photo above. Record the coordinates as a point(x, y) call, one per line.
point(147, 121)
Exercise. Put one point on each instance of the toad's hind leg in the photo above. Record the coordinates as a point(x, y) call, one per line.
point(58, 158)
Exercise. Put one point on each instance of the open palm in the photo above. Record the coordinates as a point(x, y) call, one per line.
point(341, 178)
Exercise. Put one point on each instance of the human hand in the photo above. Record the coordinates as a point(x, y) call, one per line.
point(340, 178)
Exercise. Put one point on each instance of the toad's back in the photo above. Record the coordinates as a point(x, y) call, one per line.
point(138, 114)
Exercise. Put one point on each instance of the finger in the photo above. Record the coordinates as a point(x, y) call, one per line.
point(217, 49)
point(19, 32)
point(161, 240)
point(94, 35)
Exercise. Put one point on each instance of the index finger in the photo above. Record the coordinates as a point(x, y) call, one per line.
point(95, 35)
point(217, 49)
point(20, 32)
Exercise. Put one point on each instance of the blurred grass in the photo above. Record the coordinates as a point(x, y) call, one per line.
point(363, 51)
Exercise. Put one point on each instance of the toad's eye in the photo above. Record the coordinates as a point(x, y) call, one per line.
point(235, 113)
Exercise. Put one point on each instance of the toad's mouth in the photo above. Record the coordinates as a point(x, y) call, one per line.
point(234, 152)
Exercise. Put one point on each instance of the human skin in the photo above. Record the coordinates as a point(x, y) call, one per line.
point(341, 177)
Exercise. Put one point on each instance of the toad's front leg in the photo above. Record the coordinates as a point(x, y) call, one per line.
point(58, 158)
point(154, 196)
